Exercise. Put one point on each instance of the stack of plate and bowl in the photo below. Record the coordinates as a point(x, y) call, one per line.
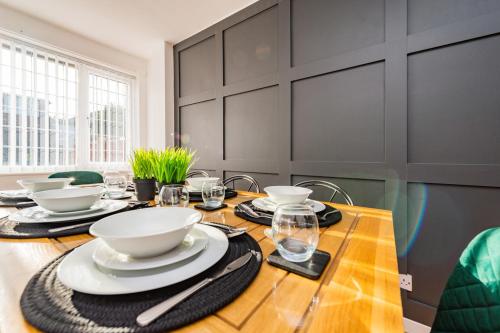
point(279, 195)
point(31, 186)
point(59, 203)
point(44, 184)
point(142, 250)
point(214, 194)
point(195, 184)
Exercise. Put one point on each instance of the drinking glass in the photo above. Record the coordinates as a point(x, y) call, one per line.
point(213, 193)
point(174, 196)
point(115, 184)
point(295, 231)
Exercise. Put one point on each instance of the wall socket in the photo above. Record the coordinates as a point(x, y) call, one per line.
point(405, 282)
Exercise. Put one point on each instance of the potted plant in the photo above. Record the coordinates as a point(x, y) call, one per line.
point(172, 165)
point(142, 167)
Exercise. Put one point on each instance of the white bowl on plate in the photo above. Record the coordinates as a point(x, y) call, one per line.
point(288, 194)
point(197, 182)
point(146, 232)
point(44, 184)
point(68, 199)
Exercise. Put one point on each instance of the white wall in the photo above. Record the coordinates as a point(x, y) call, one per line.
point(156, 98)
point(169, 94)
point(160, 127)
point(33, 29)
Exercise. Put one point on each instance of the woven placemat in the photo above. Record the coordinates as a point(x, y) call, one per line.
point(50, 306)
point(196, 196)
point(16, 230)
point(325, 218)
point(17, 204)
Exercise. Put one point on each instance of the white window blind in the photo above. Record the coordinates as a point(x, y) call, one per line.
point(59, 113)
point(108, 110)
point(39, 100)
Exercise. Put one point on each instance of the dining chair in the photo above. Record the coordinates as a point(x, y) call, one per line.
point(331, 186)
point(471, 299)
point(193, 173)
point(253, 183)
point(80, 177)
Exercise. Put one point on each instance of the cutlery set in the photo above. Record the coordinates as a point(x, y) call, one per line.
point(252, 213)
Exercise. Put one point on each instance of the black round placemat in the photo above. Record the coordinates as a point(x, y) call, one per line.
point(196, 196)
point(16, 230)
point(51, 307)
point(330, 219)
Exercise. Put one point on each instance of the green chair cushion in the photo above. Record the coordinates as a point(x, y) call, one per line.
point(471, 300)
point(81, 177)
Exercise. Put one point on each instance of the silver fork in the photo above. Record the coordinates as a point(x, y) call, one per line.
point(248, 210)
point(323, 217)
point(223, 226)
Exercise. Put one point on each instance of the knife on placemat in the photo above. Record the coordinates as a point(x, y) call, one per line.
point(156, 311)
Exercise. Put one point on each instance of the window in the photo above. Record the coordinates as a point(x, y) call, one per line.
point(60, 113)
point(108, 104)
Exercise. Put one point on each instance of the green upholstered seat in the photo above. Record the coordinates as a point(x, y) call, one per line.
point(471, 300)
point(81, 177)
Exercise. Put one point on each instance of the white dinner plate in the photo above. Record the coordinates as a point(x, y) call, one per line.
point(79, 272)
point(39, 215)
point(98, 206)
point(267, 204)
point(195, 241)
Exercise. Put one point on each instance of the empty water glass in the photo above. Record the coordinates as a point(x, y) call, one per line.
point(115, 185)
point(174, 196)
point(213, 193)
point(295, 232)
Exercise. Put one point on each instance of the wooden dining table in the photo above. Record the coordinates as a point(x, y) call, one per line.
point(357, 292)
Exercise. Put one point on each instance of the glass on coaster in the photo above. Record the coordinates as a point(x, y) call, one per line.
point(115, 184)
point(213, 193)
point(295, 231)
point(174, 196)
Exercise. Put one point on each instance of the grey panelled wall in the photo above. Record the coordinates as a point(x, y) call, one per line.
point(396, 101)
point(353, 98)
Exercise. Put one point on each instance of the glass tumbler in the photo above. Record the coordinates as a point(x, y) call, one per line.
point(213, 193)
point(174, 196)
point(115, 185)
point(295, 231)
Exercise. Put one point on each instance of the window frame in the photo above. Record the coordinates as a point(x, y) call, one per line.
point(84, 118)
point(84, 69)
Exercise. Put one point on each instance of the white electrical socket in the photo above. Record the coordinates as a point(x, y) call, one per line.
point(405, 282)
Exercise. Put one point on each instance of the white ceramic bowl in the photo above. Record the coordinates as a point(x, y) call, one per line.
point(197, 182)
point(44, 184)
point(146, 232)
point(287, 194)
point(68, 199)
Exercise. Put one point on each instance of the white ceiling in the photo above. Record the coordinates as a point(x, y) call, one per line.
point(133, 26)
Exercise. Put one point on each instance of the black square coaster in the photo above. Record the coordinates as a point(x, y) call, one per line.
point(310, 269)
point(209, 209)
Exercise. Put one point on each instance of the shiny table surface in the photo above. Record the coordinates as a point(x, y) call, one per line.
point(358, 292)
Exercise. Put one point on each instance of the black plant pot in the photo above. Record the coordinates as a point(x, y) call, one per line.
point(145, 189)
